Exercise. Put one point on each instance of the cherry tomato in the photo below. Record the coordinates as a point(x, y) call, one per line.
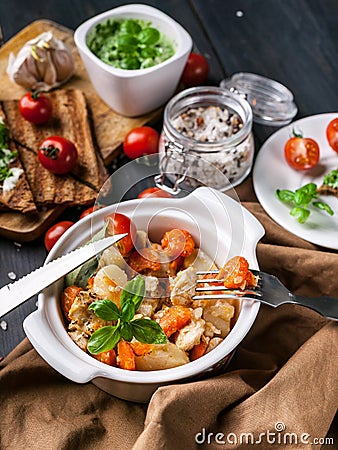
point(154, 192)
point(54, 233)
point(196, 70)
point(118, 224)
point(332, 134)
point(89, 210)
point(141, 141)
point(35, 108)
point(301, 153)
point(57, 154)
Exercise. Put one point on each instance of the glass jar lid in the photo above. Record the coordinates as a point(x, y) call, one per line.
point(272, 103)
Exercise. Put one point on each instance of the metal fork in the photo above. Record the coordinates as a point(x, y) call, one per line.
point(269, 290)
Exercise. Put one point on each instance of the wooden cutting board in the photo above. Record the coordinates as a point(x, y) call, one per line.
point(110, 128)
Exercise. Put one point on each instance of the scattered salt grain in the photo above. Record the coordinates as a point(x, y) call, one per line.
point(18, 246)
point(11, 275)
point(3, 325)
point(239, 13)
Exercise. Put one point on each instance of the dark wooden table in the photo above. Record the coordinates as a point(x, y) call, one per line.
point(292, 41)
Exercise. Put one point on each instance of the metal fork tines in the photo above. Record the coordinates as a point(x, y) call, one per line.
point(221, 292)
point(269, 290)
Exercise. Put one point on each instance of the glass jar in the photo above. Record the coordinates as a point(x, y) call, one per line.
point(223, 157)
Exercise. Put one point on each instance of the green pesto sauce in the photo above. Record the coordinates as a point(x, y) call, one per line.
point(129, 44)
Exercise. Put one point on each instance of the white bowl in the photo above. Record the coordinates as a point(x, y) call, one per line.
point(220, 226)
point(136, 92)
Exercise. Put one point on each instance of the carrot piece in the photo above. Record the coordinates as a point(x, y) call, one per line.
point(178, 242)
point(174, 319)
point(197, 351)
point(175, 265)
point(250, 279)
point(90, 282)
point(126, 357)
point(108, 357)
point(68, 297)
point(234, 272)
point(141, 349)
point(146, 258)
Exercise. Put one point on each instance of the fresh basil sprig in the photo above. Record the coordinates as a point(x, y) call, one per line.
point(144, 330)
point(129, 44)
point(300, 199)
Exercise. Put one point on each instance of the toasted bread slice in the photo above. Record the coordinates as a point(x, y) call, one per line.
point(327, 190)
point(70, 120)
point(20, 197)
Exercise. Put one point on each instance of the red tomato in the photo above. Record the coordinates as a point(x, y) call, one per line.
point(301, 153)
point(141, 141)
point(332, 134)
point(35, 108)
point(154, 192)
point(89, 210)
point(54, 233)
point(118, 224)
point(196, 70)
point(57, 154)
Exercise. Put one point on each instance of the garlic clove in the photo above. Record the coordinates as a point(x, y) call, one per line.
point(42, 63)
point(63, 63)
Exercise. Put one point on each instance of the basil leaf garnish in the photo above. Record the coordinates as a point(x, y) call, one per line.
point(127, 311)
point(301, 198)
point(104, 339)
point(105, 309)
point(148, 331)
point(324, 206)
point(285, 195)
point(134, 291)
point(301, 214)
point(144, 330)
point(126, 331)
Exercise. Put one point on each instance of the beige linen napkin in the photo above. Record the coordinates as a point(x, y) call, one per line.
point(280, 391)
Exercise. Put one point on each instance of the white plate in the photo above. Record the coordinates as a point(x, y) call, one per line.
point(271, 172)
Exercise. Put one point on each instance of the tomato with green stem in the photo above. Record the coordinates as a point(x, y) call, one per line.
point(57, 154)
point(301, 153)
point(35, 107)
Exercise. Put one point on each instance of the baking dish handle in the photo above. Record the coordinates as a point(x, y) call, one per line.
point(50, 349)
point(243, 223)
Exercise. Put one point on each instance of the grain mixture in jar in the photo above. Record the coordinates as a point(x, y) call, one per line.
point(210, 124)
point(207, 138)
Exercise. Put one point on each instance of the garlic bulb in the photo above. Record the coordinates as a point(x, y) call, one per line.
point(43, 63)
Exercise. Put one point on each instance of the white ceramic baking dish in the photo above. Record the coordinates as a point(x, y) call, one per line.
point(219, 225)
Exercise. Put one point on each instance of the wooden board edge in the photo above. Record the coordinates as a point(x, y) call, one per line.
point(34, 225)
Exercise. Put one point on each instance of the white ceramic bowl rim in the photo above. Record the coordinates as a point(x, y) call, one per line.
point(55, 330)
point(149, 13)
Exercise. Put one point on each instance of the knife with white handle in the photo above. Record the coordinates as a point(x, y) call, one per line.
point(14, 294)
